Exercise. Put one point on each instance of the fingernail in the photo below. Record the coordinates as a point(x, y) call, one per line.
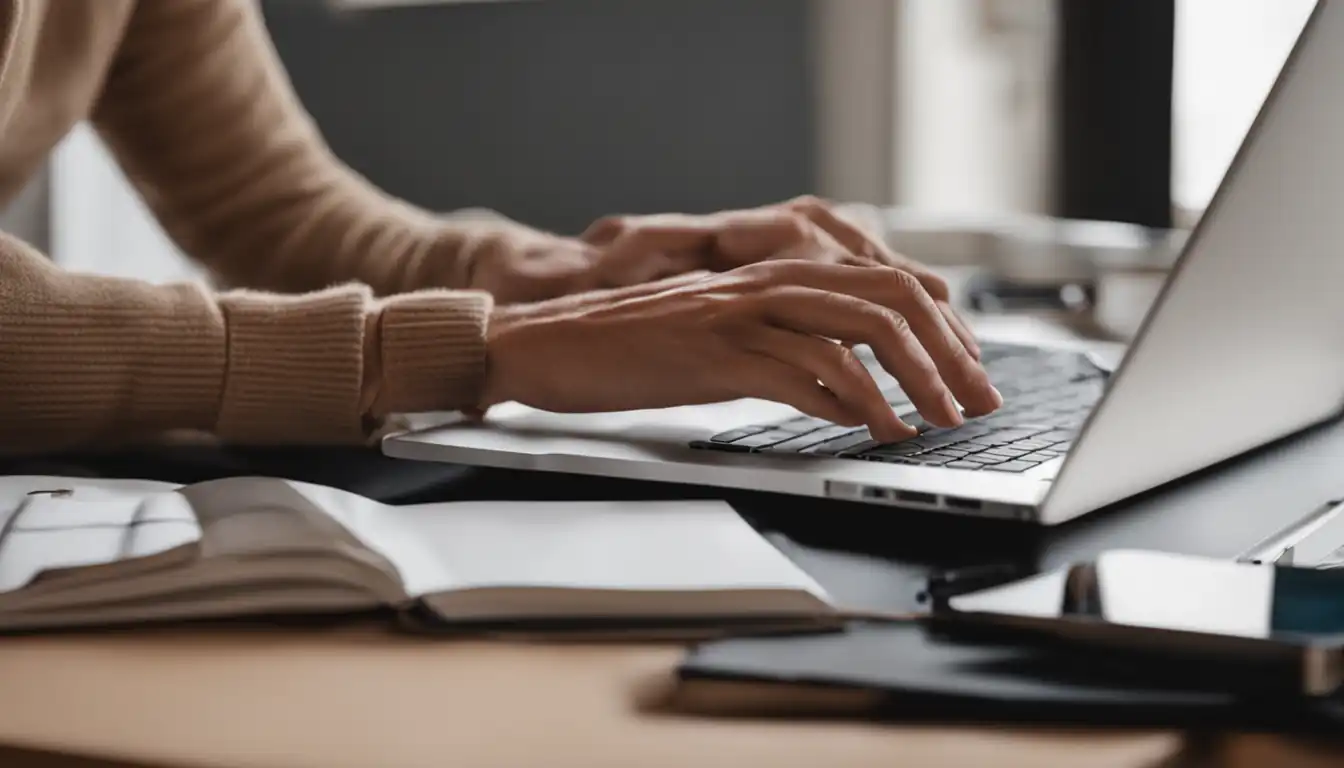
point(995, 396)
point(953, 412)
point(893, 431)
point(899, 433)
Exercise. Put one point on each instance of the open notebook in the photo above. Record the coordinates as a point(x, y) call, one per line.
point(84, 552)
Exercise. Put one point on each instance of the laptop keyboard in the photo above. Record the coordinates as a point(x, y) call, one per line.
point(1047, 395)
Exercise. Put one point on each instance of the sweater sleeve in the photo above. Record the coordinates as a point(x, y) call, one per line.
point(201, 116)
point(89, 360)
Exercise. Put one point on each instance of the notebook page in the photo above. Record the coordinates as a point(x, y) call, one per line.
point(679, 545)
point(15, 488)
point(378, 529)
point(49, 529)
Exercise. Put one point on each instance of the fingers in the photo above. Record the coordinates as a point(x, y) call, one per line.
point(653, 248)
point(846, 233)
point(960, 328)
point(836, 316)
point(906, 331)
point(623, 292)
point(768, 378)
point(766, 234)
point(674, 230)
point(631, 263)
point(963, 374)
point(868, 249)
point(934, 323)
point(958, 366)
point(808, 218)
point(839, 371)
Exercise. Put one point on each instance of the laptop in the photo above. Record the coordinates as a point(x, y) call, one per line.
point(1243, 346)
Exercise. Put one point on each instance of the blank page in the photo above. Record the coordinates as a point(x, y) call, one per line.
point(47, 532)
point(679, 545)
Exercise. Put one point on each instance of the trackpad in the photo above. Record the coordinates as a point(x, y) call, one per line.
point(671, 425)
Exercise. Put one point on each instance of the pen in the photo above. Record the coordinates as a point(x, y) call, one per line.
point(1298, 544)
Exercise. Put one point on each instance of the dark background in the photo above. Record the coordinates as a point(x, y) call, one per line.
point(556, 113)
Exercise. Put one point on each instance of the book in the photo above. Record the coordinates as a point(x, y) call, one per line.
point(78, 552)
point(907, 671)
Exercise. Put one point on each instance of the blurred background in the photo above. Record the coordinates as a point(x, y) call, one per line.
point(976, 133)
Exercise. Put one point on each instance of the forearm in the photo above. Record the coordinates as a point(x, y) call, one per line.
point(88, 360)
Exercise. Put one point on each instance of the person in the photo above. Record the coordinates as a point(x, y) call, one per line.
point(335, 306)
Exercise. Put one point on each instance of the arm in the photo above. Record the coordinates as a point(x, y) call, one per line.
point(86, 360)
point(199, 113)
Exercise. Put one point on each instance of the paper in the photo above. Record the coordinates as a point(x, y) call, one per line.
point(47, 531)
point(680, 545)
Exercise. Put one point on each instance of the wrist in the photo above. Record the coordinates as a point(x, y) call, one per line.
point(431, 351)
point(498, 381)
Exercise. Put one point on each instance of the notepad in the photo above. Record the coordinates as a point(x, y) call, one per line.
point(79, 552)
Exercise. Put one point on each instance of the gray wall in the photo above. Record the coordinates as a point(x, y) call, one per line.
point(559, 111)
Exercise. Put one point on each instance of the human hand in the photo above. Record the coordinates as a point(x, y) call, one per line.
point(648, 247)
point(633, 250)
point(776, 330)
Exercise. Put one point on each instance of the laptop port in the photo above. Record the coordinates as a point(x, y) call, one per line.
point(915, 497)
point(957, 502)
point(875, 493)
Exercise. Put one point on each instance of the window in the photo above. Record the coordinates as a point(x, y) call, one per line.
point(1228, 54)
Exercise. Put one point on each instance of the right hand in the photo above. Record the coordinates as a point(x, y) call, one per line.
point(768, 330)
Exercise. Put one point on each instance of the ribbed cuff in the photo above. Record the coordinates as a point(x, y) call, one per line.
point(432, 351)
point(295, 369)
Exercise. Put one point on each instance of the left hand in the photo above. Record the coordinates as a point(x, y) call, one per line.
point(623, 251)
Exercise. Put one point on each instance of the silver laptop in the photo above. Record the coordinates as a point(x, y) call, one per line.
point(1244, 345)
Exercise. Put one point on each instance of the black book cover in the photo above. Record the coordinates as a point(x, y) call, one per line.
point(909, 672)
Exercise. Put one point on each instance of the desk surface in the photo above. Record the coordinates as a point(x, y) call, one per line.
point(366, 698)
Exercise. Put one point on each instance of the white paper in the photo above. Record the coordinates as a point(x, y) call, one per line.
point(678, 545)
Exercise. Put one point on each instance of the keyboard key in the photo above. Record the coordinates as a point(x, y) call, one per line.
point(1006, 451)
point(970, 446)
point(887, 459)
point(855, 442)
point(946, 438)
point(1032, 444)
point(909, 448)
point(1006, 436)
point(803, 425)
point(950, 453)
point(707, 445)
point(963, 465)
point(764, 439)
point(1048, 395)
point(1011, 466)
point(736, 434)
point(809, 439)
point(915, 420)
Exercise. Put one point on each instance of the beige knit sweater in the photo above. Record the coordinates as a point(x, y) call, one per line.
point(191, 99)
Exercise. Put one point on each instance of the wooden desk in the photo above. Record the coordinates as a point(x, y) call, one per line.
point(364, 699)
point(367, 699)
